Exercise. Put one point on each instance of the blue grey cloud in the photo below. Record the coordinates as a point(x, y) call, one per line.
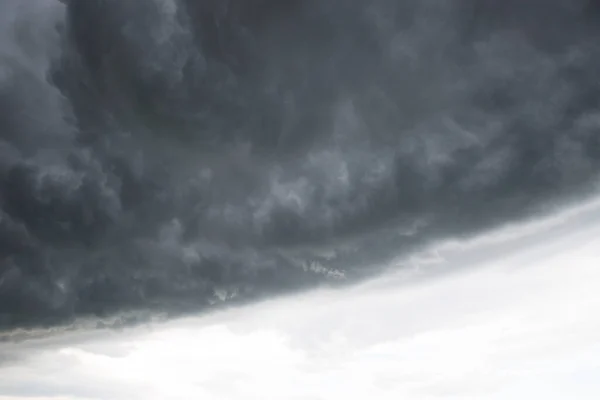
point(159, 157)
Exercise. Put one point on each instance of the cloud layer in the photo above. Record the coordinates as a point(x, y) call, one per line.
point(160, 156)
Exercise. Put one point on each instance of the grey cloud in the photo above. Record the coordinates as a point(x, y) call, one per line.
point(161, 156)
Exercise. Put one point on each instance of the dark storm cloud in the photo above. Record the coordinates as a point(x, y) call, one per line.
point(165, 155)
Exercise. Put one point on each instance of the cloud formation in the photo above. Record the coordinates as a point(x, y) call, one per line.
point(160, 156)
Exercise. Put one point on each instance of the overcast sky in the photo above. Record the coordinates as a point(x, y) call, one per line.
point(525, 325)
point(176, 157)
point(163, 155)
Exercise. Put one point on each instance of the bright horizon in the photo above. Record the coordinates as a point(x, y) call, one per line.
point(523, 326)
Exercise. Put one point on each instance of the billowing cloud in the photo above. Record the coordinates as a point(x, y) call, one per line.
point(158, 157)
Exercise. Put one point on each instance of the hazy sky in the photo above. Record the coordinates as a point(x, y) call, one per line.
point(523, 325)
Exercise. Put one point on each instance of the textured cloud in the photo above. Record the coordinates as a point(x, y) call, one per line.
point(162, 156)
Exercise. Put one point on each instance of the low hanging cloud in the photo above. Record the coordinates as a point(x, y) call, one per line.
point(163, 156)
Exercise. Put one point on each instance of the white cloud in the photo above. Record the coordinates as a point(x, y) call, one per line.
point(523, 325)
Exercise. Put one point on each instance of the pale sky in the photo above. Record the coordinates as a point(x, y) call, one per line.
point(519, 324)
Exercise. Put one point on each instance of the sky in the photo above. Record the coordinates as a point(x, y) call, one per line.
point(308, 199)
point(520, 325)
